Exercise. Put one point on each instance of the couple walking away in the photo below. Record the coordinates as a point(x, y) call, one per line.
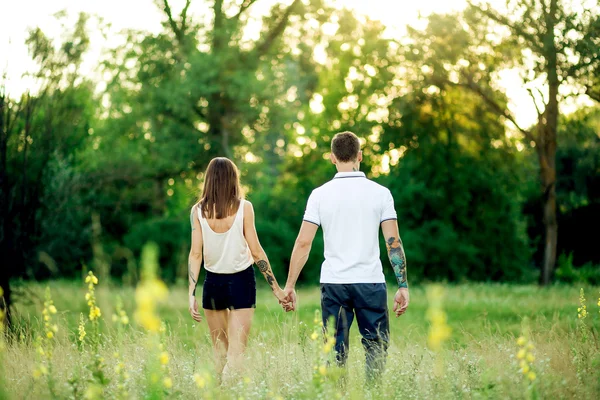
point(350, 208)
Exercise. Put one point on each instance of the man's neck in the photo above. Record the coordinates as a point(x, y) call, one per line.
point(348, 167)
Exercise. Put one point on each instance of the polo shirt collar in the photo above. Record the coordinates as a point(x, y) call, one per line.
point(354, 174)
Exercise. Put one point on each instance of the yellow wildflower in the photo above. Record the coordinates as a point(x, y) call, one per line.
point(526, 357)
point(118, 367)
point(164, 358)
point(439, 331)
point(49, 334)
point(247, 380)
point(314, 336)
point(150, 291)
point(81, 328)
point(531, 376)
point(94, 312)
point(168, 382)
point(582, 310)
point(323, 370)
point(52, 309)
point(200, 381)
point(124, 320)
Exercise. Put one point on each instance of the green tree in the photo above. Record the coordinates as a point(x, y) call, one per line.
point(551, 42)
point(38, 131)
point(194, 91)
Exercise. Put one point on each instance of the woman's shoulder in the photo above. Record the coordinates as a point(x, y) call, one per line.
point(248, 208)
point(195, 210)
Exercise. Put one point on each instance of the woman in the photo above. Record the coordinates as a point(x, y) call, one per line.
point(223, 231)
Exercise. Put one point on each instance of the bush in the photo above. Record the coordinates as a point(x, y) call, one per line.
point(568, 273)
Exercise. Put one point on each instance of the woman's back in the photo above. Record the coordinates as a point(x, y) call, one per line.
point(225, 248)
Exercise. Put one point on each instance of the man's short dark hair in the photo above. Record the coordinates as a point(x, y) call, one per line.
point(345, 146)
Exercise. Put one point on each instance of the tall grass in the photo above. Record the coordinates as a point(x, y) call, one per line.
point(480, 358)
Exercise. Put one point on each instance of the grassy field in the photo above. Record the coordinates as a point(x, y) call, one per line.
point(478, 360)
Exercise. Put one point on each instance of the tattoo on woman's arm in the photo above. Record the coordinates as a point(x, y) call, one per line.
point(192, 281)
point(397, 259)
point(265, 269)
point(191, 275)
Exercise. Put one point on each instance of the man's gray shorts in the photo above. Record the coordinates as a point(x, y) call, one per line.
point(368, 302)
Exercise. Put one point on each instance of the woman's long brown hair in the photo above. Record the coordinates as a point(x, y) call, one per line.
point(221, 195)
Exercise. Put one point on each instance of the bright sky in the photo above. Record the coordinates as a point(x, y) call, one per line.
point(19, 16)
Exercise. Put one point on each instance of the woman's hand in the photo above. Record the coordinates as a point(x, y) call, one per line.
point(194, 309)
point(283, 299)
point(280, 295)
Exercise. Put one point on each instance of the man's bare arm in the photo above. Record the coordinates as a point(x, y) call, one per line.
point(301, 252)
point(395, 251)
point(398, 261)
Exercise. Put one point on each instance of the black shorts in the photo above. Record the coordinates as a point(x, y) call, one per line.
point(229, 291)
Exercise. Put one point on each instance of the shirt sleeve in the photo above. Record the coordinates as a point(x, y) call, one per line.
point(312, 209)
point(388, 211)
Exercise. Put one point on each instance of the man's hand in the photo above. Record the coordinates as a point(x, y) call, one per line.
point(194, 309)
point(290, 299)
point(401, 301)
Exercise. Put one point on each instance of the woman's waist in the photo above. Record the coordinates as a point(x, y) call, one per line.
point(224, 274)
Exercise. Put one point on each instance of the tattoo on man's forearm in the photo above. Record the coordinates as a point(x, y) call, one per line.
point(397, 259)
point(264, 268)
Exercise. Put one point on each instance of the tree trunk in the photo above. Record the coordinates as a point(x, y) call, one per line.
point(548, 176)
point(5, 299)
point(547, 148)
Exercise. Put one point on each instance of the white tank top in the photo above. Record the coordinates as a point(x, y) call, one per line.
point(227, 252)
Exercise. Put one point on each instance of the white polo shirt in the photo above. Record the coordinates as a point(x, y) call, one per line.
point(350, 208)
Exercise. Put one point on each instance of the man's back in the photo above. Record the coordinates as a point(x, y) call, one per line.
point(350, 209)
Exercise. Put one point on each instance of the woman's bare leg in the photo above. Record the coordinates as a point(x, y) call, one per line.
point(218, 324)
point(239, 325)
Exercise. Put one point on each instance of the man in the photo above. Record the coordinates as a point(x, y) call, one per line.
point(350, 208)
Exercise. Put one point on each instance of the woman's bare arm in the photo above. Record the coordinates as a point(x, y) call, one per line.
point(258, 254)
point(195, 257)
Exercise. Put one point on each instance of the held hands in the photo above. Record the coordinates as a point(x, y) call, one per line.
point(401, 300)
point(287, 299)
point(193, 308)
